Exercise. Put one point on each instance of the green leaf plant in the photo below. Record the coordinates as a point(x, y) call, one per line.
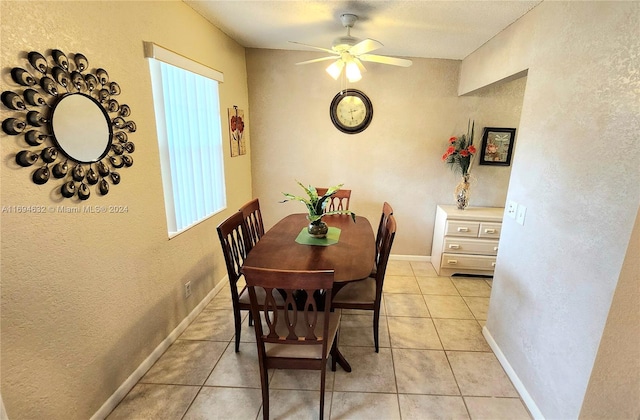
point(316, 204)
point(460, 152)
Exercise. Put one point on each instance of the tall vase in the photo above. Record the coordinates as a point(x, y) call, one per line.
point(462, 192)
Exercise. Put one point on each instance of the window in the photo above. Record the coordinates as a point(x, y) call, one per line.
point(187, 108)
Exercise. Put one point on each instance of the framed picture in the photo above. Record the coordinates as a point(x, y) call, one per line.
point(497, 146)
point(236, 132)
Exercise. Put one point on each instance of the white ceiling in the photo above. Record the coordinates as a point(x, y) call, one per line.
point(418, 28)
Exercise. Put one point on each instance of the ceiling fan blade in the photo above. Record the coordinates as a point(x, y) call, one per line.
point(315, 60)
point(385, 60)
point(365, 46)
point(317, 48)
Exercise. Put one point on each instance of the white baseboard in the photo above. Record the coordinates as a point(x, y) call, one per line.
point(396, 257)
point(524, 394)
point(133, 379)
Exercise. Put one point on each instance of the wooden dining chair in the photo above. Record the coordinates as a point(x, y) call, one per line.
point(253, 221)
point(367, 294)
point(302, 335)
point(234, 239)
point(387, 211)
point(338, 201)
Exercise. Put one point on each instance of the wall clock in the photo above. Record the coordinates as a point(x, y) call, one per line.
point(351, 111)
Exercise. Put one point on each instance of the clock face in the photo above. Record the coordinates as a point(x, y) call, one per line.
point(351, 111)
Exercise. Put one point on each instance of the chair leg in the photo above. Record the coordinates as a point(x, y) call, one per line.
point(238, 324)
point(250, 319)
point(376, 324)
point(322, 385)
point(264, 378)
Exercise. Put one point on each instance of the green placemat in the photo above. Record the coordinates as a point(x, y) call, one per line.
point(332, 237)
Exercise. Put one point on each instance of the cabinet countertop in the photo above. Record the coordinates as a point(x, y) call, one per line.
point(491, 214)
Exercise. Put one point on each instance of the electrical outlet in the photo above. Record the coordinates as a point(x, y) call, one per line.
point(522, 211)
point(511, 209)
point(187, 289)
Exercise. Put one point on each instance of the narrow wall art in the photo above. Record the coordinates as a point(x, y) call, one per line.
point(236, 132)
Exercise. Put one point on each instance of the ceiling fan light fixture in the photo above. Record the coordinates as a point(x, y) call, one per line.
point(353, 72)
point(335, 69)
point(343, 43)
point(349, 51)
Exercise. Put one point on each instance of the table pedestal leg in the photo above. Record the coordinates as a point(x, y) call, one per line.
point(342, 361)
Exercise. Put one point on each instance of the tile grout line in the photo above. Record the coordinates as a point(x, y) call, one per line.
point(393, 365)
point(392, 349)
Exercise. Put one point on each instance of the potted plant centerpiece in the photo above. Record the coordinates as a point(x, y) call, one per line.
point(315, 206)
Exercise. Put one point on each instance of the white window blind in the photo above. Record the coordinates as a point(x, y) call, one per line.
point(187, 110)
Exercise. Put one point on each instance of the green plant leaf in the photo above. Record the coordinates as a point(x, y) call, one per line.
point(316, 205)
point(353, 215)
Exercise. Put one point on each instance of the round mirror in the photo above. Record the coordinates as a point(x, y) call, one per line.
point(81, 127)
point(70, 122)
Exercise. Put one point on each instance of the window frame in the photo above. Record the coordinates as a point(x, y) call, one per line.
point(157, 55)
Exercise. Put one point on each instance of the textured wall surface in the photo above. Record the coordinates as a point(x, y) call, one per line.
point(87, 297)
point(396, 159)
point(576, 171)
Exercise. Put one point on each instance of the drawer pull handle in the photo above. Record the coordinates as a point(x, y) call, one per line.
point(489, 231)
point(495, 248)
point(452, 261)
point(454, 246)
point(493, 264)
point(463, 229)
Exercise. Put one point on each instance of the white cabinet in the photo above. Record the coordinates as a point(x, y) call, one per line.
point(466, 241)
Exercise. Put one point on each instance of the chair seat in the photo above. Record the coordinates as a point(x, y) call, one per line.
point(307, 351)
point(243, 297)
point(357, 292)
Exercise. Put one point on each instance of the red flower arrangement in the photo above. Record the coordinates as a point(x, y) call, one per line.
point(459, 154)
point(237, 125)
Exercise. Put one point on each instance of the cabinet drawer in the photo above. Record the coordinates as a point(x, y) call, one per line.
point(462, 228)
point(489, 230)
point(476, 262)
point(470, 246)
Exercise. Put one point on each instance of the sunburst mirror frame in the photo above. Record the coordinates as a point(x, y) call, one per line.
point(40, 93)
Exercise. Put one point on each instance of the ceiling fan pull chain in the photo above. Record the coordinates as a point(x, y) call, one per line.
point(343, 82)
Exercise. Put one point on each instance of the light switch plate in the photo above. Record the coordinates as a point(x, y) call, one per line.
point(521, 212)
point(511, 209)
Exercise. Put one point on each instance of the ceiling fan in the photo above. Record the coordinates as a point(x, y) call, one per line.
point(349, 53)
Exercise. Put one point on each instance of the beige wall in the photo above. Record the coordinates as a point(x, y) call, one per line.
point(614, 386)
point(396, 159)
point(87, 297)
point(576, 171)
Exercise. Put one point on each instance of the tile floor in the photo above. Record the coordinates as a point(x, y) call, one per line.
point(434, 363)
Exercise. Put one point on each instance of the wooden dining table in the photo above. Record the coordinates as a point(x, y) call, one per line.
point(351, 257)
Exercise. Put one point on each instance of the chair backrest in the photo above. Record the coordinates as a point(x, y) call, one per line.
point(253, 222)
point(338, 201)
point(387, 211)
point(232, 233)
point(388, 235)
point(299, 323)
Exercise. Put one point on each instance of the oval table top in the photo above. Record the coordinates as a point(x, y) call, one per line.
point(352, 258)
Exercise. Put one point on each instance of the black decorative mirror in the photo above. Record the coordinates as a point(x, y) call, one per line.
point(74, 128)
